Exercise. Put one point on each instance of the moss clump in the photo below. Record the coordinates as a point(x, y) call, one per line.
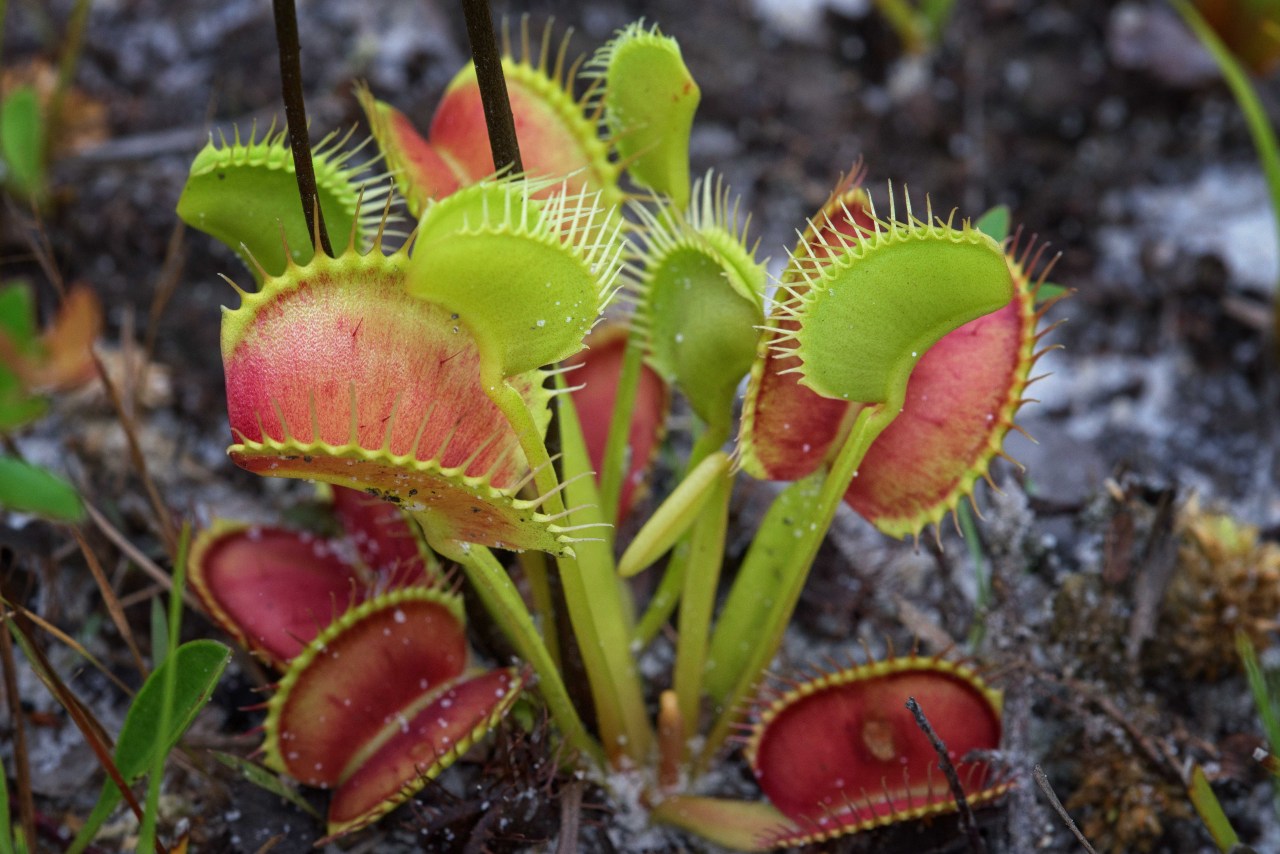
point(1227, 581)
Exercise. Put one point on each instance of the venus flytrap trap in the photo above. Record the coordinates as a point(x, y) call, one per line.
point(648, 99)
point(882, 772)
point(883, 374)
point(243, 193)
point(274, 589)
point(558, 136)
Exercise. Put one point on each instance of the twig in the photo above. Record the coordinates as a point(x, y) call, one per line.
point(967, 820)
point(493, 86)
point(71, 48)
point(146, 564)
point(295, 115)
point(21, 760)
point(74, 645)
point(570, 818)
point(1043, 782)
point(166, 285)
point(135, 454)
point(37, 240)
point(114, 608)
point(84, 720)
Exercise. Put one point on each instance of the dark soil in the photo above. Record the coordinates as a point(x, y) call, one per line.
point(1099, 124)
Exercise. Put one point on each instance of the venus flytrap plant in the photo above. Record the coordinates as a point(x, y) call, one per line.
point(862, 310)
point(567, 235)
point(423, 376)
point(416, 428)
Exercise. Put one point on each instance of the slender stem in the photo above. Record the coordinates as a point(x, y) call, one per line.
point(502, 600)
point(295, 114)
point(71, 47)
point(870, 423)
point(592, 593)
point(493, 86)
point(21, 759)
point(663, 602)
point(536, 451)
point(705, 555)
point(615, 467)
point(1255, 115)
point(534, 566)
point(598, 607)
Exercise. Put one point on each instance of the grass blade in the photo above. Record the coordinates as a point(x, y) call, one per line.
point(265, 780)
point(169, 643)
point(1206, 804)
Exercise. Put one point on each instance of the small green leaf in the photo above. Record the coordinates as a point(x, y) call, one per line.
point(265, 780)
point(1263, 690)
point(19, 331)
point(18, 316)
point(994, 223)
point(1048, 290)
point(199, 665)
point(26, 488)
point(650, 99)
point(22, 142)
point(16, 406)
point(1210, 810)
point(596, 598)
